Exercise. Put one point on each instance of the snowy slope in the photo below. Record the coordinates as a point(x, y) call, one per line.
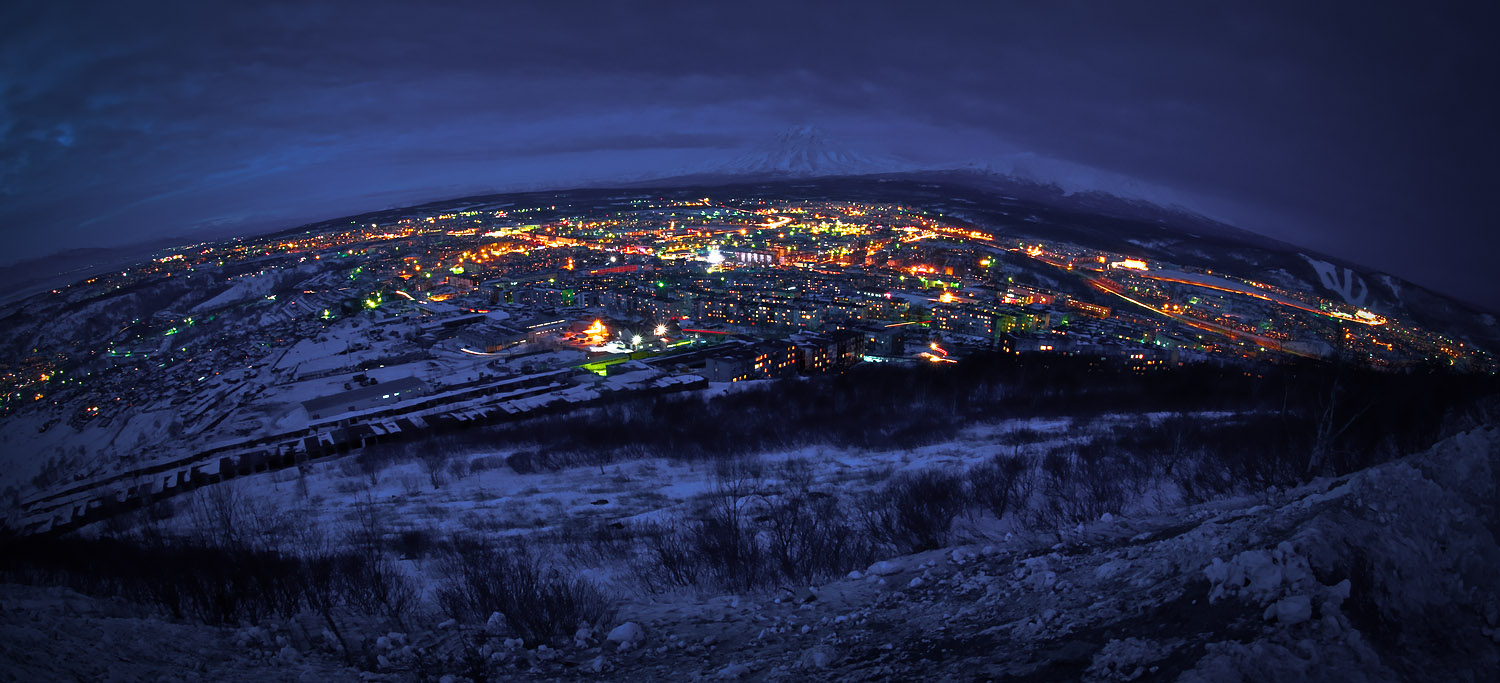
point(1348, 579)
point(1383, 575)
point(55, 634)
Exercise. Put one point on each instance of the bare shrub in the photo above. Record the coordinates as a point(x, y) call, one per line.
point(1076, 490)
point(477, 578)
point(594, 542)
point(796, 538)
point(668, 558)
point(484, 463)
point(375, 585)
point(797, 473)
point(810, 537)
point(372, 582)
point(915, 511)
point(413, 543)
point(434, 460)
point(1002, 484)
point(725, 540)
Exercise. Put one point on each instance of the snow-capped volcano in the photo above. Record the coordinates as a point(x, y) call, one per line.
point(806, 151)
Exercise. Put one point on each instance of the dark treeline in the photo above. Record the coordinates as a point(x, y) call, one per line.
point(1327, 419)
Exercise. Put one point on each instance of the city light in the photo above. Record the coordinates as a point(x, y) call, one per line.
point(1129, 264)
point(597, 332)
point(784, 273)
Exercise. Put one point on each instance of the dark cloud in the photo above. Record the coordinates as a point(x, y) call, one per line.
point(1361, 129)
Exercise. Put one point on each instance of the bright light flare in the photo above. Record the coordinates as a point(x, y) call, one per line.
point(597, 332)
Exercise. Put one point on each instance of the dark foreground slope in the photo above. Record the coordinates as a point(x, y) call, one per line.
point(1387, 574)
point(1384, 574)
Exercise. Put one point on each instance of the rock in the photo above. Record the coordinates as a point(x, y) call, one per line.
point(856, 575)
point(627, 635)
point(884, 568)
point(820, 657)
point(495, 625)
point(583, 637)
point(734, 671)
point(1110, 569)
point(1291, 610)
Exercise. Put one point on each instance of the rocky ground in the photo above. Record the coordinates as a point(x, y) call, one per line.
point(1387, 574)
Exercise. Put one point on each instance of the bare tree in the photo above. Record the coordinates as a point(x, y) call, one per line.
point(1329, 425)
point(433, 461)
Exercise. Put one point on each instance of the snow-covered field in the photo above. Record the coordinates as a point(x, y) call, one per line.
point(473, 491)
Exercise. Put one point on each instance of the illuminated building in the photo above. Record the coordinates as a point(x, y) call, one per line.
point(830, 352)
point(1091, 309)
point(987, 319)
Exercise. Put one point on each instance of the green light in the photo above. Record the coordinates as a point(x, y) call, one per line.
point(171, 332)
point(456, 270)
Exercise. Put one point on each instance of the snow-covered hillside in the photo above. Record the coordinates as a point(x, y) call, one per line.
point(1386, 574)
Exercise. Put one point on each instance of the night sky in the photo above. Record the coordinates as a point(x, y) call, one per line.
point(1363, 130)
